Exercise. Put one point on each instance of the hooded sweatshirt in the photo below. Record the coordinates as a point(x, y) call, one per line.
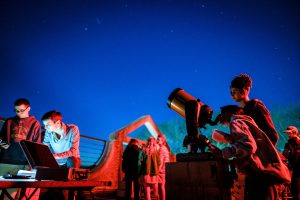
point(253, 150)
point(13, 131)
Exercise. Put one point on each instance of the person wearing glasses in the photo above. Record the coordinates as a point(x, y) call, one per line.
point(239, 90)
point(62, 139)
point(22, 126)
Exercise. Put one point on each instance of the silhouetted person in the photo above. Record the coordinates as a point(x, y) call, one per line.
point(164, 155)
point(131, 167)
point(150, 162)
point(292, 153)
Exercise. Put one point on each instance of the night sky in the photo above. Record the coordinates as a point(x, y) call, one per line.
point(104, 64)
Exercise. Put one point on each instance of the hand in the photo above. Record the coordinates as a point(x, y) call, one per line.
point(3, 145)
point(55, 156)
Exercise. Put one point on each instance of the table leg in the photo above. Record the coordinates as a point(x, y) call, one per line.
point(71, 195)
point(5, 193)
point(32, 193)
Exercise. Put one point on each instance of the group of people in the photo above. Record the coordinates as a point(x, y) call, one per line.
point(145, 166)
point(252, 148)
point(62, 139)
point(253, 140)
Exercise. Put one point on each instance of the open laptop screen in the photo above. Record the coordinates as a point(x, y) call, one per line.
point(38, 155)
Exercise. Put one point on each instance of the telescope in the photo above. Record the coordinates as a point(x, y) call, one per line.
point(196, 114)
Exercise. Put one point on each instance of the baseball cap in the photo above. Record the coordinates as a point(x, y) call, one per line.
point(291, 129)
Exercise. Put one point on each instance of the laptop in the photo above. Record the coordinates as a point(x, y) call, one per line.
point(38, 155)
point(41, 158)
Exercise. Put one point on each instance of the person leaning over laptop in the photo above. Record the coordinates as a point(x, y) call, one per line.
point(62, 139)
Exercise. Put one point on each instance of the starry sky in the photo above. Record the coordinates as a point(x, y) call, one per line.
point(104, 64)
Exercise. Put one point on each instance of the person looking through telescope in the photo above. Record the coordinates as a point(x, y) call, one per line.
point(253, 153)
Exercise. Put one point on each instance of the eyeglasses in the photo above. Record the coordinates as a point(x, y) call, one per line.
point(22, 110)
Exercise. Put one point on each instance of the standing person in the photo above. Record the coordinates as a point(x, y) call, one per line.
point(131, 167)
point(149, 168)
point(164, 155)
point(254, 155)
point(23, 126)
point(292, 153)
point(63, 139)
point(239, 90)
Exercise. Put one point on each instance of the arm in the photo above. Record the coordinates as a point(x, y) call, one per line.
point(46, 139)
point(164, 157)
point(264, 121)
point(243, 145)
point(36, 132)
point(220, 136)
point(74, 150)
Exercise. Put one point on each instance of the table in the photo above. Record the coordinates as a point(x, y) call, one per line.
point(71, 186)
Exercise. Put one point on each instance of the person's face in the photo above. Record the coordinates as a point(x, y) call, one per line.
point(160, 141)
point(237, 94)
point(22, 111)
point(51, 126)
point(292, 135)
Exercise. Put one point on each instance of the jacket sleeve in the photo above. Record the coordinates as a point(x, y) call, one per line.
point(74, 150)
point(264, 122)
point(164, 158)
point(36, 133)
point(46, 139)
point(243, 145)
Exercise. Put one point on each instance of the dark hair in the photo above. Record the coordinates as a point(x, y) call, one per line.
point(53, 115)
point(163, 137)
point(133, 141)
point(241, 81)
point(229, 110)
point(22, 101)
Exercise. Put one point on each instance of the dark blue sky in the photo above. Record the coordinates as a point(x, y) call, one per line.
point(104, 64)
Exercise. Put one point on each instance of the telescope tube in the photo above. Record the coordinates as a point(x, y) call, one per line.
point(177, 100)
